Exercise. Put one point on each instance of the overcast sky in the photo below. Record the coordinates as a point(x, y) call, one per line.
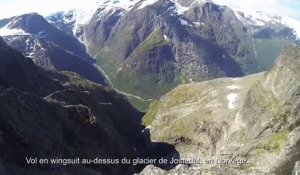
point(275, 7)
point(10, 8)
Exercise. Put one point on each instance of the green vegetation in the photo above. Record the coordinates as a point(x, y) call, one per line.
point(123, 40)
point(140, 105)
point(183, 79)
point(185, 93)
point(276, 142)
point(149, 117)
point(154, 40)
point(243, 137)
point(182, 130)
point(77, 81)
point(268, 50)
point(178, 96)
point(146, 85)
point(265, 99)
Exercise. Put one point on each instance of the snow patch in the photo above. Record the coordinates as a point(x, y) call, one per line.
point(231, 100)
point(29, 48)
point(198, 24)
point(179, 8)
point(258, 18)
point(293, 23)
point(83, 16)
point(166, 37)
point(183, 22)
point(236, 79)
point(146, 3)
point(233, 87)
point(5, 31)
point(124, 4)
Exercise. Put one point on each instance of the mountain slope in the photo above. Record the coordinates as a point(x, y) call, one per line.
point(157, 51)
point(255, 118)
point(21, 73)
point(46, 114)
point(52, 57)
point(36, 25)
point(49, 47)
point(159, 44)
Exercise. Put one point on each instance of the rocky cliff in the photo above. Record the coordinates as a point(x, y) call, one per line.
point(49, 115)
point(254, 119)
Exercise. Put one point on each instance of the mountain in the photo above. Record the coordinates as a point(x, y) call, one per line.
point(36, 25)
point(21, 73)
point(52, 57)
point(51, 115)
point(48, 46)
point(254, 119)
point(157, 45)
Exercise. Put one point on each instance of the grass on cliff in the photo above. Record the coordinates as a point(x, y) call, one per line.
point(140, 105)
point(276, 142)
point(79, 82)
point(155, 39)
point(149, 117)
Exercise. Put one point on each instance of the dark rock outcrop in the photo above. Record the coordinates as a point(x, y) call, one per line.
point(52, 57)
point(50, 115)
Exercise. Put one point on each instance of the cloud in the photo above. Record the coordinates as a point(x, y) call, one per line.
point(290, 7)
point(44, 7)
point(16, 7)
point(274, 7)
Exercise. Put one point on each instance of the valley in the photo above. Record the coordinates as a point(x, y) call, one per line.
point(168, 86)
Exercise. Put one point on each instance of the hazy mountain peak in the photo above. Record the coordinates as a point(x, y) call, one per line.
point(26, 24)
point(261, 17)
point(125, 4)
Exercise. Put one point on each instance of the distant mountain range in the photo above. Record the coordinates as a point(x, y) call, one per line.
point(146, 48)
point(157, 45)
point(150, 79)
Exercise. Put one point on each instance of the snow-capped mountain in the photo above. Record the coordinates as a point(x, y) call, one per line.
point(48, 46)
point(163, 43)
point(260, 19)
point(260, 14)
point(36, 25)
point(75, 19)
point(193, 40)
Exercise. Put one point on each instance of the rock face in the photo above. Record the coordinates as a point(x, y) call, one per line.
point(159, 49)
point(52, 57)
point(21, 73)
point(253, 119)
point(46, 114)
point(297, 168)
point(37, 25)
point(159, 45)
